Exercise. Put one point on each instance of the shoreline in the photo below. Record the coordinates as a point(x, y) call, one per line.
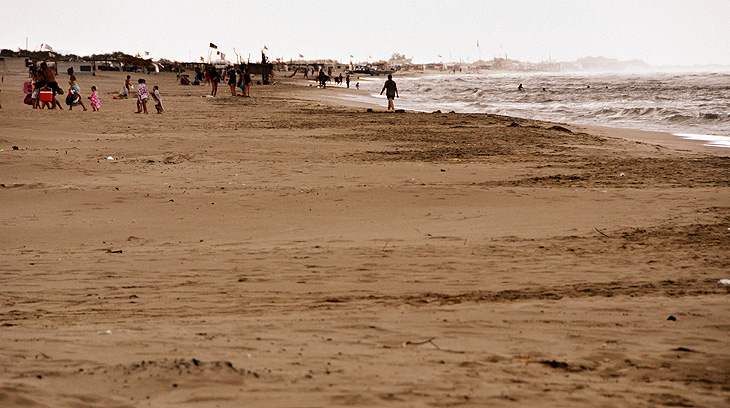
point(666, 139)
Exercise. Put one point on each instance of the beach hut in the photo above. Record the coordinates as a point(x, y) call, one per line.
point(80, 67)
point(265, 70)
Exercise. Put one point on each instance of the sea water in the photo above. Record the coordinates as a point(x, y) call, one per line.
point(694, 105)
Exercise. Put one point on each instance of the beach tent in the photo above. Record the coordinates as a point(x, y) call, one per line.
point(221, 64)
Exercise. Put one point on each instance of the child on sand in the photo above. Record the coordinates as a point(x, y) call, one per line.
point(157, 99)
point(38, 82)
point(95, 101)
point(127, 86)
point(142, 96)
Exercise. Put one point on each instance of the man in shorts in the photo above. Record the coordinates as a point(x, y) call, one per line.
point(391, 91)
point(51, 82)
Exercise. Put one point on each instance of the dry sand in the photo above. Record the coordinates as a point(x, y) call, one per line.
point(285, 251)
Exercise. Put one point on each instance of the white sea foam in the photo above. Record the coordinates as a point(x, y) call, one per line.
point(713, 141)
point(679, 103)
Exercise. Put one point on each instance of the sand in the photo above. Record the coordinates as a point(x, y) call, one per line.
point(290, 250)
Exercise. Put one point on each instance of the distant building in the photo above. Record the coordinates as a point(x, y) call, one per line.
point(79, 67)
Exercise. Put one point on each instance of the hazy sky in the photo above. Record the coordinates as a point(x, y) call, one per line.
point(660, 32)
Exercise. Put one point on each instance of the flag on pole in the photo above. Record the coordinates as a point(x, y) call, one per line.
point(213, 46)
point(47, 47)
point(202, 59)
point(301, 56)
point(266, 48)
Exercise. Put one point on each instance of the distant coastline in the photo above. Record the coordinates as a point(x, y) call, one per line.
point(396, 63)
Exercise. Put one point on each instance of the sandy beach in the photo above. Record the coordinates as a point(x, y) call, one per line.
point(296, 250)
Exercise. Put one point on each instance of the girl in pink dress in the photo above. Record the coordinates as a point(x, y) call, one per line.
point(95, 101)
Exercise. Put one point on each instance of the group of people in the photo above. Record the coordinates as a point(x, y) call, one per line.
point(339, 80)
point(323, 78)
point(390, 88)
point(42, 91)
point(143, 95)
point(44, 81)
point(235, 78)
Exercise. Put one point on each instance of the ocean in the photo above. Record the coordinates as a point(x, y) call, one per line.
point(693, 105)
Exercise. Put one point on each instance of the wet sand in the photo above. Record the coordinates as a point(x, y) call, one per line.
point(294, 250)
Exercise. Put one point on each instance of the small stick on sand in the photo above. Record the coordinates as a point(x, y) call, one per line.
point(601, 233)
point(386, 244)
point(418, 343)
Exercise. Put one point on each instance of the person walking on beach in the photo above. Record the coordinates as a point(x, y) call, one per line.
point(158, 100)
point(53, 84)
point(232, 81)
point(241, 84)
point(391, 91)
point(128, 86)
point(214, 79)
point(142, 96)
point(322, 77)
point(247, 82)
point(347, 80)
point(39, 81)
point(78, 100)
point(74, 97)
point(95, 101)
